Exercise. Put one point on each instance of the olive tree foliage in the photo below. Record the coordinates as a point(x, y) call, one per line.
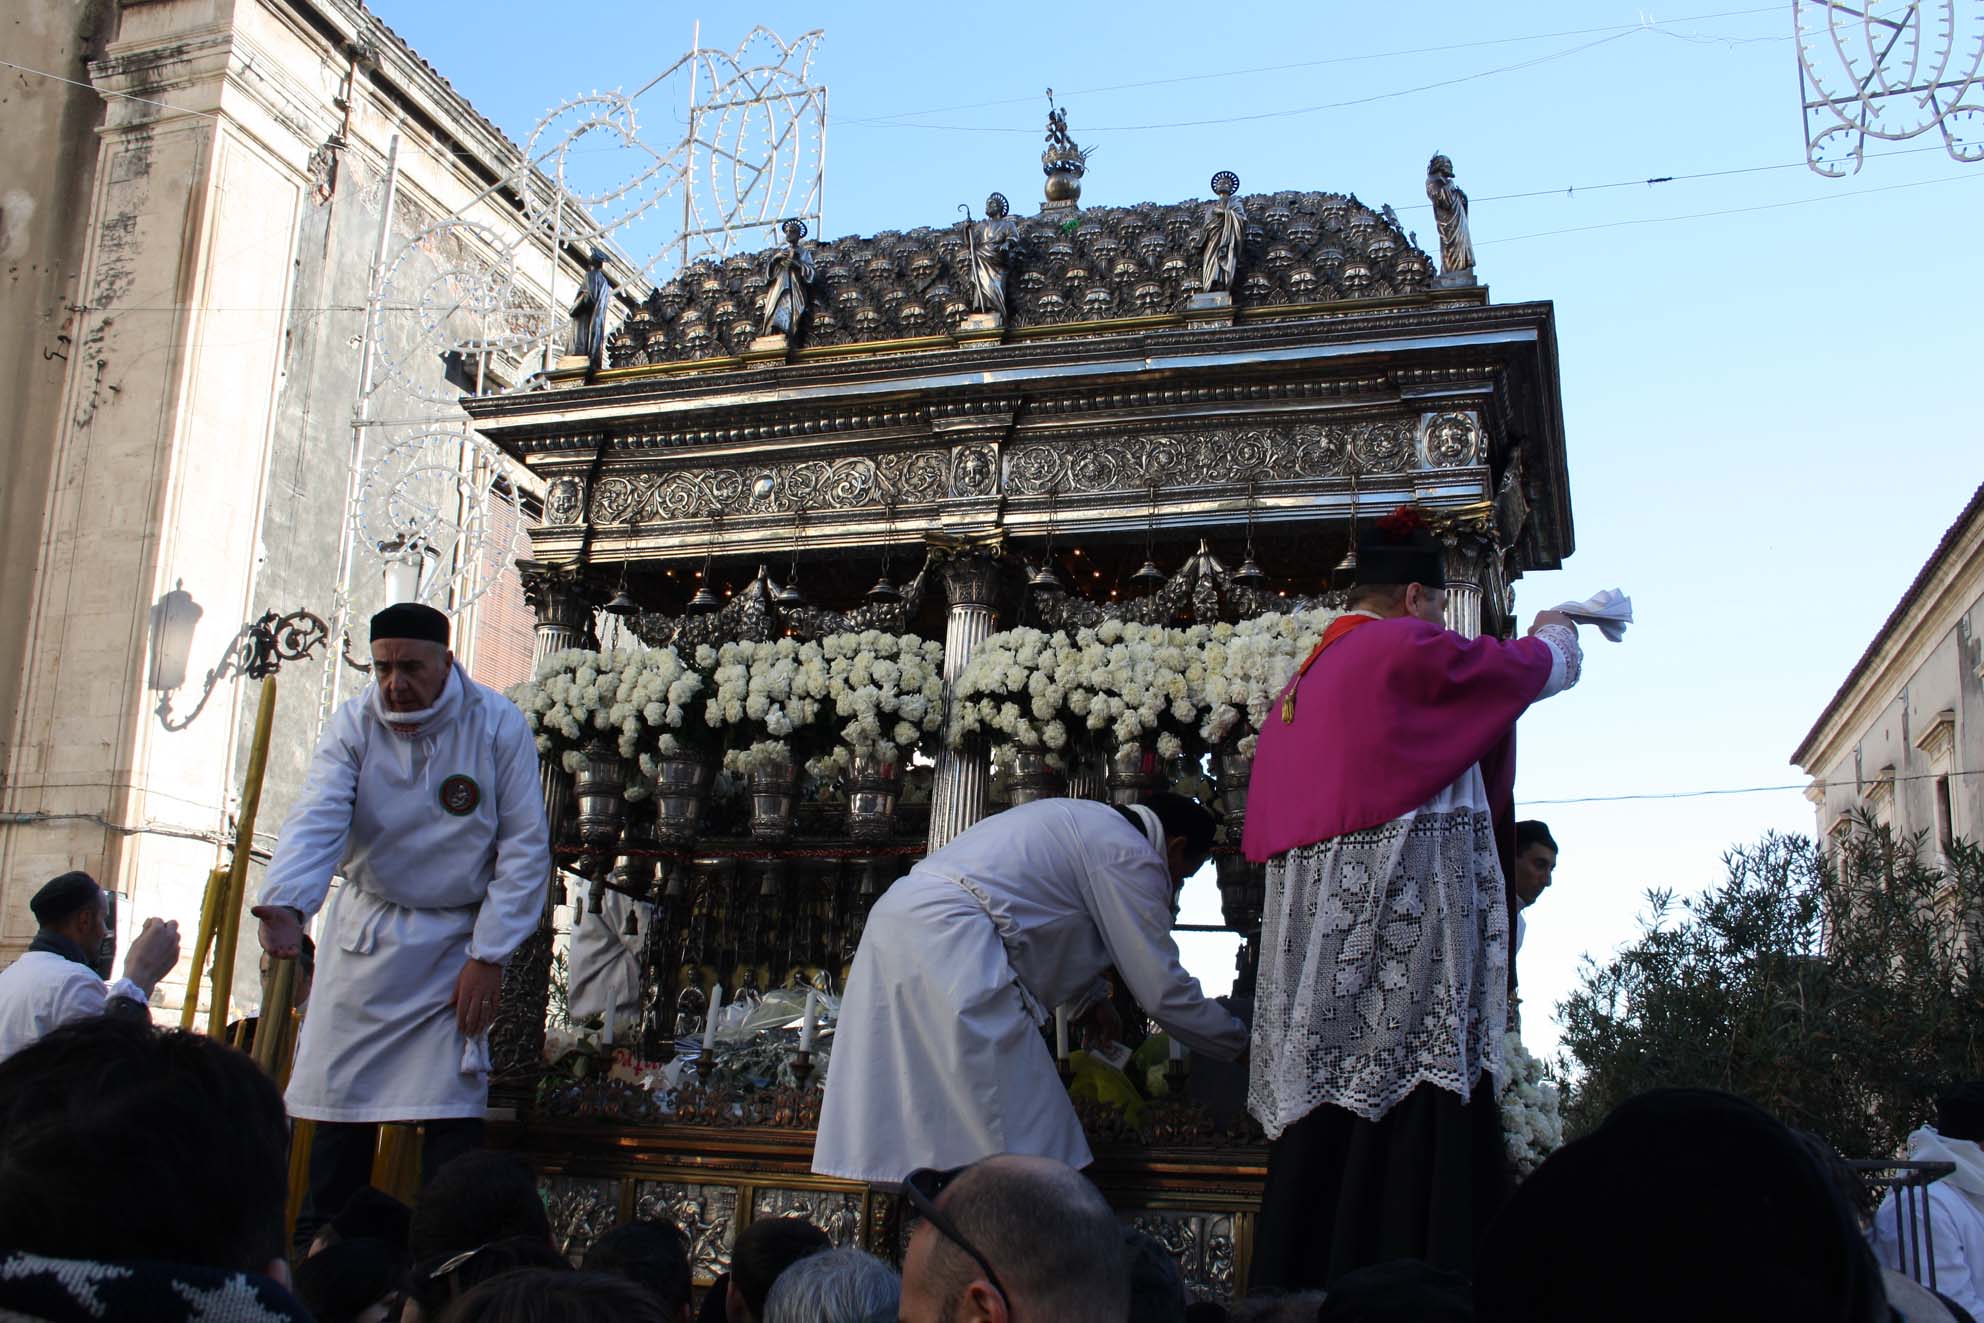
point(1840, 987)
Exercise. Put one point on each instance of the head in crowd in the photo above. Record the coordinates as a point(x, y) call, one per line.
point(1960, 1112)
point(436, 1284)
point(118, 1142)
point(1277, 1307)
point(1734, 1210)
point(547, 1295)
point(1047, 1233)
point(477, 1199)
point(370, 1214)
point(764, 1250)
point(1401, 570)
point(835, 1286)
point(1188, 828)
point(653, 1254)
point(1157, 1288)
point(1403, 1291)
point(1536, 860)
point(410, 657)
point(73, 906)
point(1206, 1311)
point(353, 1281)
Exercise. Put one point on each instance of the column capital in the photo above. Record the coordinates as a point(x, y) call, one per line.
point(971, 576)
point(563, 596)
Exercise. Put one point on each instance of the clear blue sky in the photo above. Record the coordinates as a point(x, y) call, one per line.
point(1765, 411)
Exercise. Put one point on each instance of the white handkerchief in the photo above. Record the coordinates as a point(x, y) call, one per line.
point(1610, 610)
point(475, 1055)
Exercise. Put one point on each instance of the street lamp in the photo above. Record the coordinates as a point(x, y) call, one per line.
point(408, 559)
point(257, 652)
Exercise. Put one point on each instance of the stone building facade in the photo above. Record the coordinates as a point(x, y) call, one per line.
point(190, 225)
point(1903, 739)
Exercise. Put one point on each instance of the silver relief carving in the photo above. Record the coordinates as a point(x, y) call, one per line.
point(581, 1209)
point(848, 483)
point(974, 470)
point(1222, 456)
point(707, 1215)
point(1203, 1245)
point(1452, 439)
point(836, 1212)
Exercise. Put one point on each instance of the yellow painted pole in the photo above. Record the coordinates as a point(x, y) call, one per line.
point(209, 914)
point(272, 1028)
point(229, 927)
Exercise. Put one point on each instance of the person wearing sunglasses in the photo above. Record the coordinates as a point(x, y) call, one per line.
point(1011, 1238)
point(938, 1056)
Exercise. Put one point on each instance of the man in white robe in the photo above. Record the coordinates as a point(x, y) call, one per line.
point(425, 795)
point(1954, 1239)
point(938, 1059)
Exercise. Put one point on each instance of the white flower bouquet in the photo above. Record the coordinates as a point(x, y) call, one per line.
point(887, 690)
point(1242, 669)
point(645, 699)
point(769, 703)
point(1532, 1125)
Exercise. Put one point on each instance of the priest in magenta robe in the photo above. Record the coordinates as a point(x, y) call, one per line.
point(1381, 793)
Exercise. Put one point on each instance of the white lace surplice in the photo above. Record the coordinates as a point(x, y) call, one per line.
point(1385, 955)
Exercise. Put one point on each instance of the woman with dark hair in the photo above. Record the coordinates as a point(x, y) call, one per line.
point(940, 1061)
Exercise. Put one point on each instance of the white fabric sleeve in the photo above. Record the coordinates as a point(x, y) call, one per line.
point(515, 903)
point(311, 846)
point(1953, 1275)
point(1566, 658)
point(81, 996)
point(1130, 901)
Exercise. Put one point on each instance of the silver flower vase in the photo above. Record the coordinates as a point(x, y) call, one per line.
point(1033, 778)
point(1131, 772)
point(873, 787)
point(600, 786)
point(774, 799)
point(681, 788)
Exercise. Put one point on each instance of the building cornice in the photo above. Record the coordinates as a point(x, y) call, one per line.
point(1948, 582)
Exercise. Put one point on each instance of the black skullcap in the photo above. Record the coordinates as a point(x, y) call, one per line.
point(410, 620)
point(62, 897)
point(1402, 1291)
point(1399, 549)
point(1960, 1112)
point(372, 1214)
point(1737, 1216)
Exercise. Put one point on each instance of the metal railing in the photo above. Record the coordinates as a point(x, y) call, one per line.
point(1901, 1190)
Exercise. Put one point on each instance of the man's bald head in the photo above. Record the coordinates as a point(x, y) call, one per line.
point(1046, 1230)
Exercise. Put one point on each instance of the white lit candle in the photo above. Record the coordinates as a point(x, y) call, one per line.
point(810, 1025)
point(1177, 1050)
point(709, 1024)
point(1060, 1033)
point(606, 1033)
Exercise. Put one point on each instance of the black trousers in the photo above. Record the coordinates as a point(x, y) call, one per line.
point(1421, 1182)
point(341, 1164)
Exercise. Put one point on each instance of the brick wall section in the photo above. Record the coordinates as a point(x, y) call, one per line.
point(504, 623)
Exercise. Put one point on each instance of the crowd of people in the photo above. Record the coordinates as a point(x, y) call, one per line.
point(143, 1174)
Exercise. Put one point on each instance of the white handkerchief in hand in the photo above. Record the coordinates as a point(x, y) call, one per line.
point(475, 1055)
point(1609, 609)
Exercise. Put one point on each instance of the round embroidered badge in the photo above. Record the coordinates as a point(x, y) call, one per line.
point(460, 794)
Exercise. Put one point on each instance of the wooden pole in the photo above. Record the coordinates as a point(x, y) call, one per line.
point(229, 927)
point(209, 914)
point(271, 1030)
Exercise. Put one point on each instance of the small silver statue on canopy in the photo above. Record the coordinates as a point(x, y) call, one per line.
point(1450, 215)
point(788, 275)
point(1064, 162)
point(990, 247)
point(588, 336)
point(1222, 235)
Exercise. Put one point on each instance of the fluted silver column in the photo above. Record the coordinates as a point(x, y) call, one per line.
point(957, 800)
point(1467, 564)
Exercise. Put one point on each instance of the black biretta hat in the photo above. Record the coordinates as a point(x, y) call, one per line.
point(1400, 549)
point(410, 620)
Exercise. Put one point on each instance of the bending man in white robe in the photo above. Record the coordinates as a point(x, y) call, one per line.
point(938, 1059)
point(425, 795)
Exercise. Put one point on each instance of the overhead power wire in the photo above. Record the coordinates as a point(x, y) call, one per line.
point(1310, 64)
point(1857, 787)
